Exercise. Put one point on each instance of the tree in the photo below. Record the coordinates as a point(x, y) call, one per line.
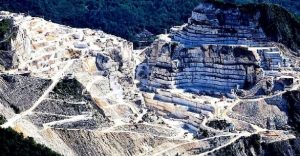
point(229, 1)
point(14, 144)
point(2, 119)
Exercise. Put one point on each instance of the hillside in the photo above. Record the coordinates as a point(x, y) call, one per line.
point(291, 5)
point(118, 17)
point(224, 80)
point(14, 144)
point(278, 24)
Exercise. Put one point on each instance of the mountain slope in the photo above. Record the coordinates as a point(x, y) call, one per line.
point(13, 143)
point(121, 18)
point(278, 24)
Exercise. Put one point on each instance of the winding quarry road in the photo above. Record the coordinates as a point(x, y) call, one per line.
point(55, 79)
point(227, 144)
point(205, 139)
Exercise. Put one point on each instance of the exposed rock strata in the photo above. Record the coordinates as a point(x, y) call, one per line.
point(205, 67)
point(92, 106)
point(212, 25)
point(212, 52)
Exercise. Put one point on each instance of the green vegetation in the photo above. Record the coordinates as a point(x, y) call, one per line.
point(2, 119)
point(14, 144)
point(278, 24)
point(68, 88)
point(291, 5)
point(293, 98)
point(5, 26)
point(119, 17)
point(219, 124)
point(125, 18)
point(6, 33)
point(203, 133)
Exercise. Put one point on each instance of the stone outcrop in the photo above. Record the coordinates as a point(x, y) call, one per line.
point(221, 52)
point(212, 52)
point(212, 25)
point(74, 90)
point(211, 67)
point(220, 49)
point(38, 46)
point(116, 59)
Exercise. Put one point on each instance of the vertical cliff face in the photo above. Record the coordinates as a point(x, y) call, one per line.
point(212, 24)
point(211, 52)
point(206, 67)
point(117, 58)
point(21, 44)
point(74, 90)
point(278, 24)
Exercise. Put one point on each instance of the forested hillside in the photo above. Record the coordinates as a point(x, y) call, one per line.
point(278, 24)
point(14, 144)
point(292, 5)
point(124, 18)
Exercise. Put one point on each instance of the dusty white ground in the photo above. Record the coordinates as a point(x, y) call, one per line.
point(52, 51)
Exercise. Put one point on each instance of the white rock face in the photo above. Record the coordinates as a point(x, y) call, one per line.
point(216, 51)
point(211, 25)
point(206, 68)
point(219, 52)
point(67, 56)
point(41, 45)
point(81, 92)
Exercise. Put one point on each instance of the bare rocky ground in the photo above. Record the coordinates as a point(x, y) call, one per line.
point(260, 113)
point(84, 92)
point(113, 143)
point(75, 102)
point(19, 92)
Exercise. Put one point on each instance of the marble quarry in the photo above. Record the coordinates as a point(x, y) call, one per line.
point(206, 68)
point(42, 48)
point(219, 52)
point(211, 25)
point(209, 84)
point(216, 51)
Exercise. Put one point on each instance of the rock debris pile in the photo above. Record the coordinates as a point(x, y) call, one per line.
point(211, 86)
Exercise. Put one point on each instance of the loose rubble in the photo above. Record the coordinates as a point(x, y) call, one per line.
point(207, 86)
